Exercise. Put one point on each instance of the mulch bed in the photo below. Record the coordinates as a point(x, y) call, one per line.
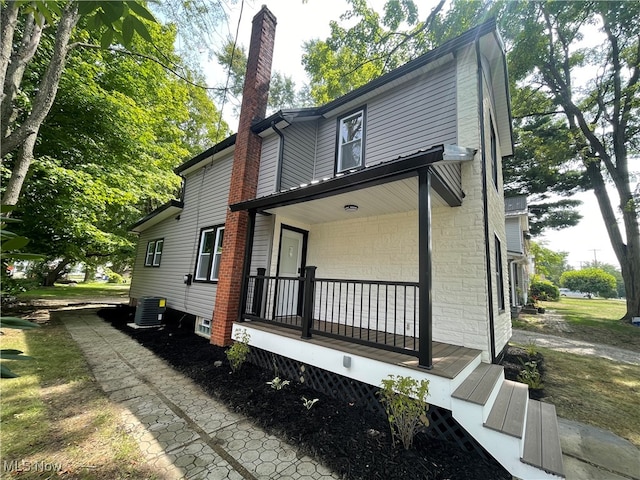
point(348, 439)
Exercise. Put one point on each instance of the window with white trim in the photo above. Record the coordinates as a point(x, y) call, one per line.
point(209, 254)
point(499, 273)
point(350, 142)
point(154, 253)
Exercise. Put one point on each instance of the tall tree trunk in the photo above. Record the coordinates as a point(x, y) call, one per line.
point(627, 254)
point(42, 103)
point(8, 22)
point(20, 169)
point(21, 57)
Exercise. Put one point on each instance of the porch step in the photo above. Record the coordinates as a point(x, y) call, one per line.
point(508, 411)
point(478, 386)
point(542, 440)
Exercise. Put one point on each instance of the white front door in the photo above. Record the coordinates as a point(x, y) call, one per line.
point(289, 270)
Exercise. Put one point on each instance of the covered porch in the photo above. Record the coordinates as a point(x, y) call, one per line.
point(362, 296)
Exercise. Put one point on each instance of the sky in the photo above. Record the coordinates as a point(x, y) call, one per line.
point(299, 22)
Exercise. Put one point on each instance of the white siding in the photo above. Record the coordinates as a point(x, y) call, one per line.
point(205, 204)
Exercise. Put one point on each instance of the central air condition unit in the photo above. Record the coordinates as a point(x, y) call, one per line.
point(150, 311)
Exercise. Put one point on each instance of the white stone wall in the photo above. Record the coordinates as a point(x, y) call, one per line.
point(495, 199)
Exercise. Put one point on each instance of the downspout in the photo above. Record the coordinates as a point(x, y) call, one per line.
point(485, 208)
point(280, 156)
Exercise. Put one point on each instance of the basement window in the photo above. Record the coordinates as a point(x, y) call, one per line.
point(203, 327)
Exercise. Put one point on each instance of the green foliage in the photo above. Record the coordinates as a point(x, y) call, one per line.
point(282, 89)
point(531, 375)
point(611, 270)
point(531, 348)
point(11, 353)
point(84, 190)
point(590, 280)
point(549, 263)
point(543, 290)
point(278, 384)
point(405, 401)
point(238, 352)
point(113, 277)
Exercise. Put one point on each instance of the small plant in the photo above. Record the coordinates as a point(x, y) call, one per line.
point(531, 348)
point(531, 375)
point(238, 352)
point(278, 384)
point(405, 401)
point(309, 403)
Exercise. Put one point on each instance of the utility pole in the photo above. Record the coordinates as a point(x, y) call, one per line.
point(595, 258)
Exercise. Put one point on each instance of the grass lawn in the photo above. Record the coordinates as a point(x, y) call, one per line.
point(594, 320)
point(55, 413)
point(595, 391)
point(77, 292)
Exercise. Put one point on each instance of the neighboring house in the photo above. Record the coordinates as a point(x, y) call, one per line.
point(516, 215)
point(363, 238)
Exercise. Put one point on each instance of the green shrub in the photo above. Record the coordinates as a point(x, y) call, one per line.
point(238, 352)
point(405, 401)
point(113, 277)
point(543, 290)
point(531, 375)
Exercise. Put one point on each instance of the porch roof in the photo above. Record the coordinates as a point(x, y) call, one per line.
point(397, 169)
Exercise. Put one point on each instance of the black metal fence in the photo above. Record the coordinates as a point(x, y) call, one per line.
point(379, 313)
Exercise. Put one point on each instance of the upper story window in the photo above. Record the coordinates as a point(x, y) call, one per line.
point(209, 254)
point(494, 153)
point(350, 141)
point(154, 253)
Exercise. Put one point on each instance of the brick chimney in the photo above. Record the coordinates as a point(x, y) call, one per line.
point(244, 175)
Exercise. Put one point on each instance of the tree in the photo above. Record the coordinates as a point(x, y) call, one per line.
point(84, 190)
point(23, 24)
point(611, 270)
point(548, 263)
point(590, 280)
point(601, 115)
point(282, 89)
point(591, 129)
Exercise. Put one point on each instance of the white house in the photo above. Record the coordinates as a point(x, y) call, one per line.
point(364, 237)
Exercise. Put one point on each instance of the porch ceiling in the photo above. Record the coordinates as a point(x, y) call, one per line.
point(387, 198)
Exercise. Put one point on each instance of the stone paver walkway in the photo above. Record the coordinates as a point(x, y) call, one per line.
point(182, 431)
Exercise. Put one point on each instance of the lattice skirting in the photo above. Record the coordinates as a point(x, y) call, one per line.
point(442, 425)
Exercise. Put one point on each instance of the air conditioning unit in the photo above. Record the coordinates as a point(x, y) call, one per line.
point(150, 311)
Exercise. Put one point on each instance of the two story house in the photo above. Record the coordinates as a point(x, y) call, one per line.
point(363, 238)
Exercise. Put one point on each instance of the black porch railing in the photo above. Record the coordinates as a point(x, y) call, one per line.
point(378, 313)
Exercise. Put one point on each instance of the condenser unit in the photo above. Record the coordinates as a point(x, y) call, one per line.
point(150, 311)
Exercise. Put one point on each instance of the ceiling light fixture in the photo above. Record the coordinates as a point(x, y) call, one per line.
point(351, 208)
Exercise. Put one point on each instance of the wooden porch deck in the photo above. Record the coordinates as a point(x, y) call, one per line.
point(448, 360)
